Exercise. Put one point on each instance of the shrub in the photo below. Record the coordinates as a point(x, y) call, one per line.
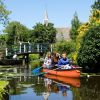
point(89, 53)
point(35, 64)
point(34, 56)
point(65, 46)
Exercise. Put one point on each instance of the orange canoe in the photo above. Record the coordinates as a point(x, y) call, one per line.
point(67, 80)
point(66, 73)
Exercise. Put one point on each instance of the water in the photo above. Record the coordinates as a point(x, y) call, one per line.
point(40, 88)
point(24, 86)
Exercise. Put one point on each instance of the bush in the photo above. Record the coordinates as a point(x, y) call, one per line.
point(65, 46)
point(34, 56)
point(89, 53)
point(35, 64)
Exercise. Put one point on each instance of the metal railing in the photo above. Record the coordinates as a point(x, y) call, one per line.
point(28, 48)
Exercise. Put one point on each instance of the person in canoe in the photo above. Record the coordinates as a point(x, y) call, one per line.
point(48, 61)
point(55, 59)
point(63, 63)
point(63, 88)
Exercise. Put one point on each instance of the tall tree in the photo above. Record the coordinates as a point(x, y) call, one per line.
point(75, 23)
point(95, 15)
point(3, 13)
point(43, 34)
point(16, 32)
point(96, 5)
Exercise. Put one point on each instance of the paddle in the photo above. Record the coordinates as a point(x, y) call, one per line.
point(36, 70)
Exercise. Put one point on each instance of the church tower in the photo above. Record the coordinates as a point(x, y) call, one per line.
point(46, 20)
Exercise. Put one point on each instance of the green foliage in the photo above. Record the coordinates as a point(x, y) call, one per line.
point(75, 25)
point(3, 39)
point(35, 64)
point(34, 56)
point(70, 55)
point(16, 32)
point(96, 5)
point(89, 53)
point(3, 84)
point(94, 20)
point(65, 46)
point(3, 13)
point(43, 33)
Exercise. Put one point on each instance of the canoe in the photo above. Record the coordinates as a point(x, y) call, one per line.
point(66, 73)
point(67, 80)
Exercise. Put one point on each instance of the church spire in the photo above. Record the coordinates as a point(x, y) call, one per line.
point(46, 18)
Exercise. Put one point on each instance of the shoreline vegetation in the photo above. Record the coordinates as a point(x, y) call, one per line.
point(4, 90)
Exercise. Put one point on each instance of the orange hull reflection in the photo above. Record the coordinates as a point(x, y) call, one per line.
point(71, 81)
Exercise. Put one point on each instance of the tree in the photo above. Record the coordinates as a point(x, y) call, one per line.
point(95, 16)
point(89, 53)
point(3, 38)
point(43, 34)
point(75, 25)
point(94, 20)
point(16, 32)
point(64, 46)
point(3, 13)
point(96, 5)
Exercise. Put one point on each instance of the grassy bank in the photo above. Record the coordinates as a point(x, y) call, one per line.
point(90, 74)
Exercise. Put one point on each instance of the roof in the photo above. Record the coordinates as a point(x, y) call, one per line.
point(63, 33)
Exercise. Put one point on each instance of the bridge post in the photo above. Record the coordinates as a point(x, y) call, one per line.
point(41, 48)
point(51, 48)
point(24, 47)
point(25, 60)
point(20, 47)
point(6, 49)
point(29, 47)
point(37, 47)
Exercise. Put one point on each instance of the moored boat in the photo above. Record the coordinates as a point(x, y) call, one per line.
point(66, 73)
point(67, 80)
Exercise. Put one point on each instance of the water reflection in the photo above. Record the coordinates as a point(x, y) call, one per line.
point(60, 89)
point(41, 87)
point(47, 83)
point(50, 87)
point(90, 88)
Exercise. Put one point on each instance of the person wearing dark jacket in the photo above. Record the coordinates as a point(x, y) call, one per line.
point(63, 63)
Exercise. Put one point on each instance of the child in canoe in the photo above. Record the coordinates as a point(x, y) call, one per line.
point(55, 59)
point(63, 63)
point(48, 61)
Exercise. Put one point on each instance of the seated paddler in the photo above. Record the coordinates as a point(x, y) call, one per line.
point(63, 63)
point(48, 61)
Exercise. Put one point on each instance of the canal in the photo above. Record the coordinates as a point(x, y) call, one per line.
point(24, 86)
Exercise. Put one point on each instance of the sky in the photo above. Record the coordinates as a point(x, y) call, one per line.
point(60, 12)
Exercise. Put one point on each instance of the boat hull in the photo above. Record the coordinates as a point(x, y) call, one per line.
point(67, 80)
point(66, 73)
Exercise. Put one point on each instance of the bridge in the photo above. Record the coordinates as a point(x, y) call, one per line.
point(24, 48)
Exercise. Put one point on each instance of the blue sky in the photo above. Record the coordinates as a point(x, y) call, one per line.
point(60, 12)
